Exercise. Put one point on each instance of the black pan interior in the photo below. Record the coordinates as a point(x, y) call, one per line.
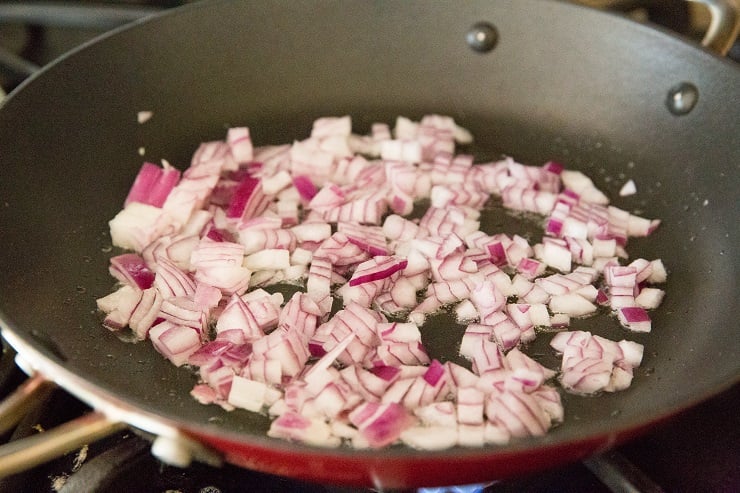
point(564, 83)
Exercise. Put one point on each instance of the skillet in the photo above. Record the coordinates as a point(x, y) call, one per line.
point(562, 82)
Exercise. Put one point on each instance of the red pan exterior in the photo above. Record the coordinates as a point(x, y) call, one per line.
point(382, 470)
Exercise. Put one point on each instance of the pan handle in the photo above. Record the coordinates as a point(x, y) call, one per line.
point(17, 404)
point(173, 448)
point(23, 454)
point(724, 26)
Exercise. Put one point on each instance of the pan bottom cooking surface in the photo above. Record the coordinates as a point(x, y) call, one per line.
point(698, 451)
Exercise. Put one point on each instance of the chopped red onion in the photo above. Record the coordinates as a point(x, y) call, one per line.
point(175, 342)
point(583, 186)
point(182, 310)
point(172, 281)
point(248, 200)
point(293, 426)
point(130, 268)
point(369, 238)
point(146, 312)
point(318, 284)
point(240, 144)
point(592, 363)
point(650, 298)
point(634, 318)
point(247, 394)
point(118, 306)
point(241, 217)
point(571, 304)
point(138, 225)
point(306, 189)
point(380, 424)
point(398, 332)
point(376, 269)
point(153, 184)
point(286, 346)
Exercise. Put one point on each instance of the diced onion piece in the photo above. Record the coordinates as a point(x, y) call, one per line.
point(398, 332)
point(240, 144)
point(650, 298)
point(137, 225)
point(658, 274)
point(470, 404)
point(582, 185)
point(153, 184)
point(247, 394)
point(629, 188)
point(271, 259)
point(591, 363)
point(381, 424)
point(556, 255)
point(313, 431)
point(471, 435)
point(438, 414)
point(377, 269)
point(248, 200)
point(571, 304)
point(175, 342)
point(518, 412)
point(634, 318)
point(430, 437)
point(276, 183)
point(144, 116)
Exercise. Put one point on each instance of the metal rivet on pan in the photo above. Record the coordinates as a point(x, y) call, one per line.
point(482, 37)
point(682, 98)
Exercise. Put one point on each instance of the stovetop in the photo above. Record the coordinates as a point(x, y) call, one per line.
point(697, 451)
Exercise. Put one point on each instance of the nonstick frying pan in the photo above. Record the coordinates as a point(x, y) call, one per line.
point(597, 92)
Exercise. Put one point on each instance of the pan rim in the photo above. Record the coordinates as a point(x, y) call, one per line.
point(645, 28)
point(103, 400)
point(362, 468)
